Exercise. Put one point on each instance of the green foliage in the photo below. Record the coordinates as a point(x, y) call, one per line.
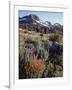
point(27, 56)
point(29, 66)
point(50, 72)
point(43, 54)
point(46, 44)
point(58, 73)
point(34, 69)
point(28, 46)
point(56, 59)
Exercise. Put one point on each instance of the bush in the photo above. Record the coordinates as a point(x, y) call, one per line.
point(54, 37)
point(28, 40)
point(58, 73)
point(34, 69)
point(28, 46)
point(41, 34)
point(27, 56)
point(43, 54)
point(56, 59)
point(46, 45)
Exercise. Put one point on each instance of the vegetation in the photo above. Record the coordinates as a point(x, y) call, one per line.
point(40, 55)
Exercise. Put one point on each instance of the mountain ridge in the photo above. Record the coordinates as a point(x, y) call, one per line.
point(33, 22)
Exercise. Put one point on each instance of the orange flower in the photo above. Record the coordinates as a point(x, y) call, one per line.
point(39, 64)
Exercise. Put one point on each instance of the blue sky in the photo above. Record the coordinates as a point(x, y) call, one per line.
point(53, 17)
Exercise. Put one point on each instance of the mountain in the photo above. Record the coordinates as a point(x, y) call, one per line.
point(32, 22)
point(28, 19)
point(57, 26)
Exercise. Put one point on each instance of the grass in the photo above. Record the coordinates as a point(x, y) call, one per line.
point(37, 67)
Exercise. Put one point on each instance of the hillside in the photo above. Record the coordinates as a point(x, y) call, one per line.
point(40, 53)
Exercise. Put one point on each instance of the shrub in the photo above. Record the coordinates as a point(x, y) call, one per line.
point(28, 40)
point(34, 69)
point(54, 37)
point(50, 69)
point(41, 34)
point(43, 54)
point(28, 46)
point(58, 73)
point(56, 59)
point(46, 45)
point(27, 56)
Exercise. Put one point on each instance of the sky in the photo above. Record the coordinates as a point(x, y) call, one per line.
point(53, 17)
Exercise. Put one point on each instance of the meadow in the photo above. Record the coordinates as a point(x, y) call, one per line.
point(40, 55)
